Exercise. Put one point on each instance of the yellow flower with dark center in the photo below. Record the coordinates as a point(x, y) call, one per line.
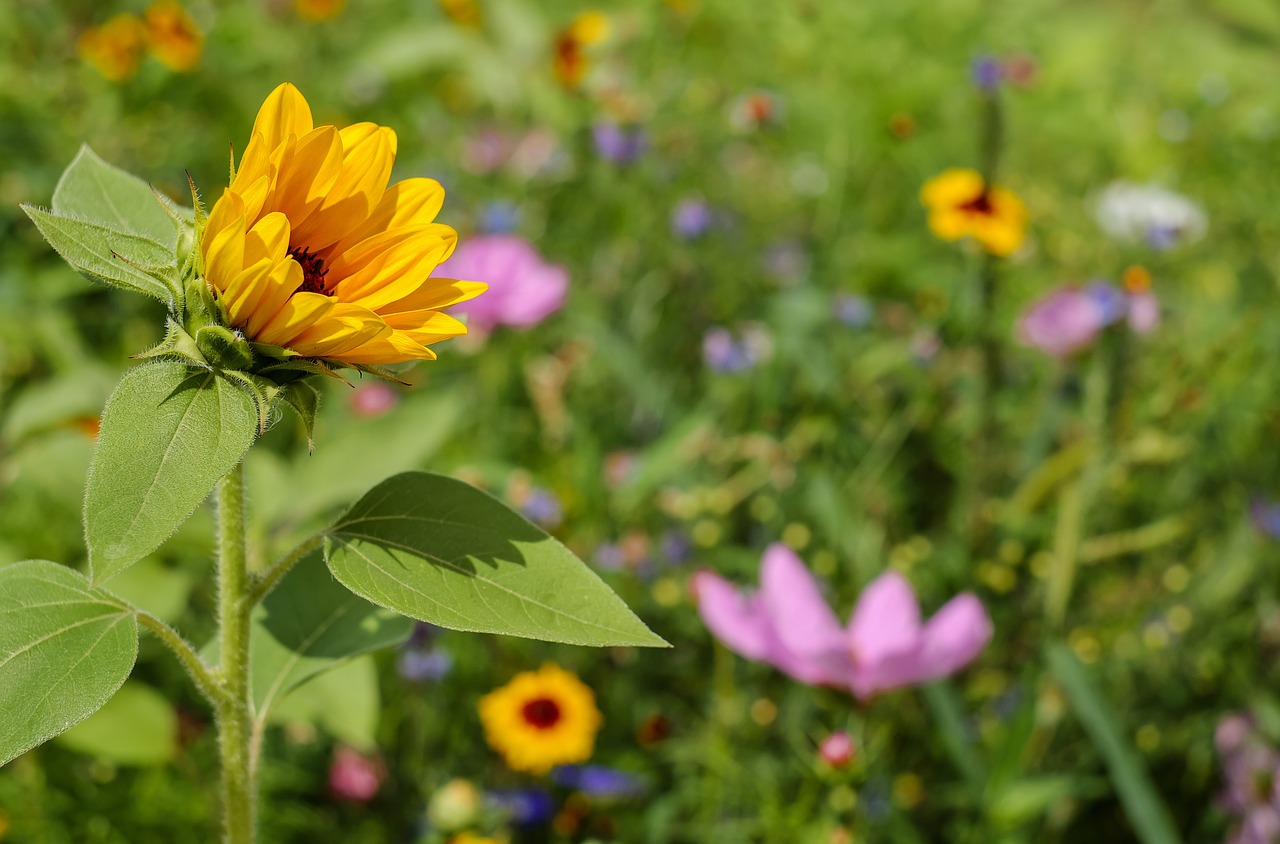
point(115, 47)
point(961, 204)
point(570, 63)
point(309, 250)
point(173, 36)
point(318, 10)
point(541, 719)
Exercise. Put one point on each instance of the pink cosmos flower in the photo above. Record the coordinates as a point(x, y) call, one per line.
point(789, 625)
point(523, 289)
point(837, 749)
point(1065, 321)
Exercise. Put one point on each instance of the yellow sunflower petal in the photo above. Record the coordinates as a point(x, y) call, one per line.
point(224, 256)
point(342, 329)
point(435, 293)
point(412, 202)
point(278, 312)
point(269, 238)
point(285, 112)
point(239, 292)
point(367, 156)
point(309, 166)
point(395, 347)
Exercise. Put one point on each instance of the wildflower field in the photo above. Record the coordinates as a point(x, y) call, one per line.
point(884, 390)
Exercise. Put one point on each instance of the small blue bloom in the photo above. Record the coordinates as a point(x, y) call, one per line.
point(723, 353)
point(500, 217)
point(619, 145)
point(853, 310)
point(691, 219)
point(676, 546)
point(418, 666)
point(525, 806)
point(599, 781)
point(1110, 299)
point(1265, 516)
point(610, 557)
point(987, 73)
point(543, 507)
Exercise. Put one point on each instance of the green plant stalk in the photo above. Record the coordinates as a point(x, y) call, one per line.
point(992, 136)
point(234, 720)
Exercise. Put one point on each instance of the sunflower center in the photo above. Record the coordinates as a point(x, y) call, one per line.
point(313, 271)
point(543, 713)
point(980, 204)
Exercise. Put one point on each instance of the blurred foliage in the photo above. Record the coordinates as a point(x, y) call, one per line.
point(852, 444)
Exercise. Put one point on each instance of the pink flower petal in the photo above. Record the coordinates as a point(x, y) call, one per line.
point(953, 638)
point(798, 613)
point(884, 634)
point(737, 620)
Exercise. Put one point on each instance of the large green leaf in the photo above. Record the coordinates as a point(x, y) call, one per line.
point(64, 650)
point(309, 624)
point(168, 435)
point(344, 702)
point(438, 550)
point(136, 727)
point(1142, 804)
point(92, 189)
point(129, 261)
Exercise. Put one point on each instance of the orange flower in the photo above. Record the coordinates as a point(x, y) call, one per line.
point(115, 47)
point(310, 252)
point(318, 10)
point(961, 204)
point(173, 36)
point(569, 64)
point(463, 12)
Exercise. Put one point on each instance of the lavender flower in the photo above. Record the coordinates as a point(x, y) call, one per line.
point(500, 217)
point(599, 781)
point(617, 144)
point(853, 310)
point(691, 219)
point(542, 507)
point(419, 666)
point(987, 73)
point(525, 806)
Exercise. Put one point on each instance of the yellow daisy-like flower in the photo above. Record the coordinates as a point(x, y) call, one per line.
point(115, 47)
point(541, 719)
point(961, 204)
point(318, 10)
point(310, 251)
point(173, 36)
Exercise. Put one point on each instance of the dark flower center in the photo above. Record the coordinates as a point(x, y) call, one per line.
point(313, 271)
point(980, 204)
point(543, 713)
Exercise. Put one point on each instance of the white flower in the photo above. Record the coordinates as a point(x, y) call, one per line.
point(1149, 214)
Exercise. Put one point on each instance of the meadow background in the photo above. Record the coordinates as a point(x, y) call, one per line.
point(1104, 522)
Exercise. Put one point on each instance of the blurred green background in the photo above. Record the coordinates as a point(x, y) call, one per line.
point(848, 439)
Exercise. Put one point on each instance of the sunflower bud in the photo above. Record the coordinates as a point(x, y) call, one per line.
point(223, 348)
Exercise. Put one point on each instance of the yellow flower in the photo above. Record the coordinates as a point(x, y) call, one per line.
point(541, 719)
point(115, 47)
point(309, 250)
point(569, 64)
point(471, 838)
point(318, 10)
point(173, 36)
point(463, 12)
point(961, 204)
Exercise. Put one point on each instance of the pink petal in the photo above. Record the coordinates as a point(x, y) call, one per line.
point(953, 638)
point(798, 613)
point(735, 619)
point(884, 634)
point(1144, 312)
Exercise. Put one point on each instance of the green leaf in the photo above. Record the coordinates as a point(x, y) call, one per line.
point(344, 702)
point(154, 587)
point(136, 727)
point(1141, 801)
point(92, 189)
point(305, 401)
point(108, 256)
point(65, 649)
point(168, 435)
point(438, 550)
point(310, 624)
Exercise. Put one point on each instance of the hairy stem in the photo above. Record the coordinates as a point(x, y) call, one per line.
point(204, 679)
point(234, 707)
point(263, 584)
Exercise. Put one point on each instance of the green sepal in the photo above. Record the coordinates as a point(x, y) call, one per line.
point(307, 366)
point(178, 346)
point(305, 401)
point(267, 350)
point(264, 393)
point(224, 348)
point(378, 372)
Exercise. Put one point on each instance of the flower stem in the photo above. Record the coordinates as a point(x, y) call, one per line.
point(233, 707)
point(262, 585)
point(205, 681)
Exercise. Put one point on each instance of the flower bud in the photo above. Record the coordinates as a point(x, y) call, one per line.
point(454, 806)
point(837, 750)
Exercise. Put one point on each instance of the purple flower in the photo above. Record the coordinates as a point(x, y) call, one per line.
point(676, 546)
point(523, 289)
point(1111, 300)
point(885, 645)
point(617, 144)
point(987, 73)
point(419, 666)
point(610, 557)
point(722, 352)
point(1063, 322)
point(542, 507)
point(1265, 516)
point(525, 806)
point(787, 262)
point(853, 310)
point(691, 219)
point(599, 781)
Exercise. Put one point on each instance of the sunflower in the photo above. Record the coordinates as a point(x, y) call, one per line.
point(541, 719)
point(309, 252)
point(961, 204)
